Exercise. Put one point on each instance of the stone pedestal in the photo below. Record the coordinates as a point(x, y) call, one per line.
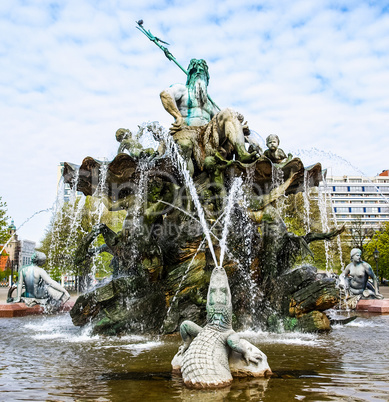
point(374, 306)
point(21, 310)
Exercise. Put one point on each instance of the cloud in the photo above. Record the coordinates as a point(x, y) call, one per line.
point(315, 73)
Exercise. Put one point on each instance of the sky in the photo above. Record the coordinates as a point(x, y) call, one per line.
point(72, 72)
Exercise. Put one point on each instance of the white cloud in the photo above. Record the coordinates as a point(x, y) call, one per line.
point(316, 73)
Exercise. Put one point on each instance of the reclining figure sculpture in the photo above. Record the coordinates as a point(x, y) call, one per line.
point(39, 287)
point(355, 278)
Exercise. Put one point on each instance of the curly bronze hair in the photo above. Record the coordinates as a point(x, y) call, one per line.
point(196, 64)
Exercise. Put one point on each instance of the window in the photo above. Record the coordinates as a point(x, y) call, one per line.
point(341, 209)
point(340, 188)
point(355, 188)
point(372, 210)
point(359, 210)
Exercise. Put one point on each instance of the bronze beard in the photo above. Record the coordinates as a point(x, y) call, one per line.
point(198, 89)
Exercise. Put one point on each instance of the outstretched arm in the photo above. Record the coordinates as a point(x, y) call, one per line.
point(310, 237)
point(188, 330)
point(51, 282)
point(235, 344)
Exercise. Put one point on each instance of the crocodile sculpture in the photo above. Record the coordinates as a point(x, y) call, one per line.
point(203, 359)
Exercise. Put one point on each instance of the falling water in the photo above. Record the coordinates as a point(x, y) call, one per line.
point(56, 225)
point(140, 201)
point(236, 185)
point(75, 222)
point(322, 201)
point(307, 222)
point(191, 262)
point(322, 155)
point(28, 219)
point(75, 209)
point(338, 237)
point(182, 167)
point(244, 264)
point(100, 192)
point(277, 181)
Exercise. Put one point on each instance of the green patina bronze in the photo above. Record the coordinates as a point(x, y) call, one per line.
point(157, 41)
point(161, 264)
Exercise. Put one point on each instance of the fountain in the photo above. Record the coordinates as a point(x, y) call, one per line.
point(175, 199)
point(203, 249)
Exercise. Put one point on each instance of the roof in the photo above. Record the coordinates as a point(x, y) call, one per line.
point(12, 225)
point(3, 262)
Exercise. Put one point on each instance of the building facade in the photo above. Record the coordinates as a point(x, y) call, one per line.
point(360, 198)
point(67, 191)
point(19, 251)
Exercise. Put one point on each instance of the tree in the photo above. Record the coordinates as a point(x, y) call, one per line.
point(4, 236)
point(68, 226)
point(359, 234)
point(380, 241)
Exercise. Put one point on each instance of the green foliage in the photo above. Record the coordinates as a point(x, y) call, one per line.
point(326, 253)
point(380, 241)
point(65, 232)
point(360, 236)
point(4, 236)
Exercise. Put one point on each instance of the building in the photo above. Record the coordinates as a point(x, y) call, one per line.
point(19, 251)
point(12, 248)
point(360, 198)
point(67, 191)
point(27, 249)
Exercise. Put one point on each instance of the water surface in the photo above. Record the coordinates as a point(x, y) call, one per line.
point(46, 358)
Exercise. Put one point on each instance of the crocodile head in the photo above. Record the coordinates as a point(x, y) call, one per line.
point(219, 305)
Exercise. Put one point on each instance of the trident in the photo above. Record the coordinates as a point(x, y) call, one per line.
point(158, 42)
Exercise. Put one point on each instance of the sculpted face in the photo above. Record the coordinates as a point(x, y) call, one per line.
point(197, 69)
point(219, 306)
point(218, 293)
point(357, 257)
point(198, 79)
point(272, 142)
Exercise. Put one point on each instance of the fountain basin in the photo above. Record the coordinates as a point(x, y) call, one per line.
point(374, 306)
point(305, 366)
point(21, 310)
